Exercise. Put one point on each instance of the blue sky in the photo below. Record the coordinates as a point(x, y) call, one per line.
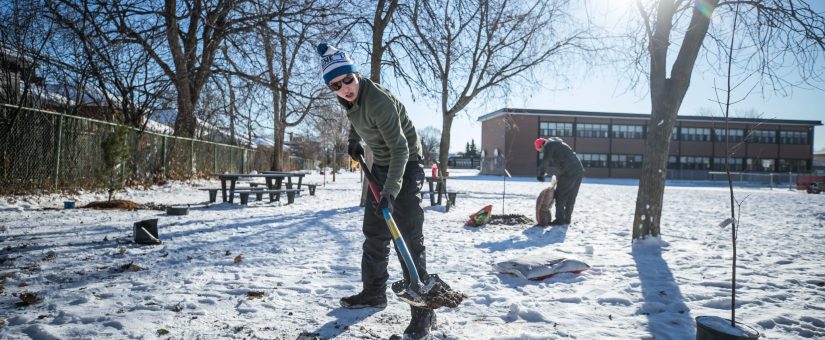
point(603, 90)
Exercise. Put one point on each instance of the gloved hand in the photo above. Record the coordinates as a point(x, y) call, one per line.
point(354, 149)
point(386, 201)
point(540, 178)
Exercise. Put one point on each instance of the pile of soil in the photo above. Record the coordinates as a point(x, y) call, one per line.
point(441, 295)
point(510, 219)
point(113, 204)
point(153, 206)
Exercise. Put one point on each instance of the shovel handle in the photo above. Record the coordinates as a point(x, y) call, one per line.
point(149, 235)
point(400, 245)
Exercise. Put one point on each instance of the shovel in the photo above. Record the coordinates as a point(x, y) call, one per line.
point(432, 293)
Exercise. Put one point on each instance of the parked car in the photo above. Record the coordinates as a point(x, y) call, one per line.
point(816, 187)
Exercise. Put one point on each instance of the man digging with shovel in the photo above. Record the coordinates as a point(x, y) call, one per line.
point(396, 177)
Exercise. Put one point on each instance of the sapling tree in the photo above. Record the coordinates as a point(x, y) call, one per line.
point(735, 206)
point(115, 153)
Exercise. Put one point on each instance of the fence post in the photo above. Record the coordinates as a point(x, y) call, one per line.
point(192, 153)
point(163, 158)
point(57, 151)
point(790, 182)
point(215, 158)
point(243, 160)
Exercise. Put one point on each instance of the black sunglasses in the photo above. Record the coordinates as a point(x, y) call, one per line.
point(335, 86)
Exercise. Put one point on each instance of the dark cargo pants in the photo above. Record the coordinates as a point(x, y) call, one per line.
point(566, 192)
point(409, 217)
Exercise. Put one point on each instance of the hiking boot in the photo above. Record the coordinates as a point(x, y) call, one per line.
point(365, 299)
point(423, 321)
point(559, 221)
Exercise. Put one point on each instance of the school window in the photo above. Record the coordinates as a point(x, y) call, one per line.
point(736, 164)
point(756, 164)
point(626, 161)
point(762, 137)
point(672, 162)
point(553, 129)
point(593, 160)
point(695, 163)
point(628, 131)
point(591, 130)
point(696, 134)
point(674, 134)
point(793, 165)
point(736, 135)
point(793, 137)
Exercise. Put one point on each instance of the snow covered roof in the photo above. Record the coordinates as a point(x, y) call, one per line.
point(67, 94)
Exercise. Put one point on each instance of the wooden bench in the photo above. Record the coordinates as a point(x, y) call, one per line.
point(274, 194)
point(213, 193)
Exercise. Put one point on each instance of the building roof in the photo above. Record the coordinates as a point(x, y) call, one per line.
point(641, 116)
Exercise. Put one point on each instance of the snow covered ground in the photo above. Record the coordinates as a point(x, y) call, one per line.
point(305, 256)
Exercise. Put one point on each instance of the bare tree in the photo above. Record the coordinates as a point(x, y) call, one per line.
point(429, 137)
point(372, 31)
point(375, 35)
point(122, 73)
point(23, 39)
point(280, 56)
point(784, 35)
point(333, 126)
point(464, 48)
point(182, 37)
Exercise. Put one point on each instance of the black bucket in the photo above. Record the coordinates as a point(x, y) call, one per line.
point(177, 211)
point(706, 331)
point(146, 232)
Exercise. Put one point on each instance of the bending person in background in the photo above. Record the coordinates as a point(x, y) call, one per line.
point(558, 154)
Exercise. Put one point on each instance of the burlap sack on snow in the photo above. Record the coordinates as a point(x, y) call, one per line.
point(544, 202)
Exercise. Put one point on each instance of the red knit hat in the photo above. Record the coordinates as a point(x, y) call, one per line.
point(539, 143)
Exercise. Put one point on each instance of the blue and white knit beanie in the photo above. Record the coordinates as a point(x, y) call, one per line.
point(334, 62)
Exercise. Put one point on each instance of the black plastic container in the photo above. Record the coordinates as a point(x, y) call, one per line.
point(146, 232)
point(177, 211)
point(705, 330)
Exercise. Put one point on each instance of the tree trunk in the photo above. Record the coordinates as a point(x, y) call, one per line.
point(232, 117)
point(444, 147)
point(277, 133)
point(666, 95)
point(185, 121)
point(654, 172)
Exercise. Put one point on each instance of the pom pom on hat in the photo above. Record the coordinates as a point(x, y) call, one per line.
point(334, 62)
point(539, 143)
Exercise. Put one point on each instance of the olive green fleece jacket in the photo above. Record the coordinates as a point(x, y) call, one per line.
point(381, 121)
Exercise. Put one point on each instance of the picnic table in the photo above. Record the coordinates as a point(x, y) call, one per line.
point(298, 175)
point(268, 177)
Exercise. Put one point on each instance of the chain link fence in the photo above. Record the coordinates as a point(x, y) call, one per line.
point(755, 179)
point(42, 151)
point(492, 166)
